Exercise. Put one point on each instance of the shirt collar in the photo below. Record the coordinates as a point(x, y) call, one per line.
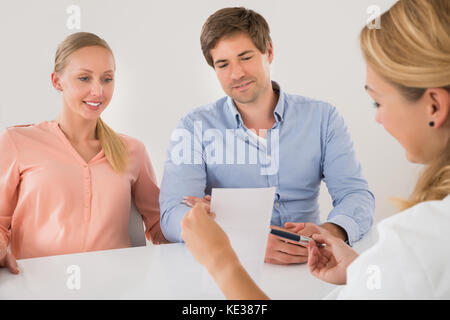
point(278, 112)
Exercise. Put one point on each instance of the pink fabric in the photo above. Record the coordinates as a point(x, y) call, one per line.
point(52, 202)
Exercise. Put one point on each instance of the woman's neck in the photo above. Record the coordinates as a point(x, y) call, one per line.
point(76, 128)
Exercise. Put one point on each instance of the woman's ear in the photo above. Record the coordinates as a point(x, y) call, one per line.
point(56, 81)
point(438, 101)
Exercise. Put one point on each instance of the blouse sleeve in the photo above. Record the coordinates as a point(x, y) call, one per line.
point(9, 183)
point(388, 270)
point(146, 196)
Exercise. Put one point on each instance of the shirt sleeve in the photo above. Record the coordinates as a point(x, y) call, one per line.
point(353, 203)
point(184, 175)
point(146, 193)
point(9, 183)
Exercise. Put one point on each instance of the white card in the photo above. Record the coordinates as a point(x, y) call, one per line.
point(245, 214)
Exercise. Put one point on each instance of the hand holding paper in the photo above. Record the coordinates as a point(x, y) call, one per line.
point(244, 215)
point(207, 242)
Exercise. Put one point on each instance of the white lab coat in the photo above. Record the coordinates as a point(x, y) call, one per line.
point(411, 259)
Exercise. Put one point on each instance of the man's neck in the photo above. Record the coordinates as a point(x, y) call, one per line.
point(259, 115)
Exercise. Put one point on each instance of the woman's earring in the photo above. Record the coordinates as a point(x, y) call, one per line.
point(431, 124)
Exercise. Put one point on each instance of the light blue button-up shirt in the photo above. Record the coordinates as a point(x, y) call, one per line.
point(212, 148)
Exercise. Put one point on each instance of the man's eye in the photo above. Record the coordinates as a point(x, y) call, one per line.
point(247, 58)
point(108, 80)
point(83, 78)
point(223, 65)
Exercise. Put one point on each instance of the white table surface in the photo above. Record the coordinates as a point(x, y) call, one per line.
point(149, 272)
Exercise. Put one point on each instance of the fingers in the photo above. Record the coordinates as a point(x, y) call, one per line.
point(11, 263)
point(280, 252)
point(312, 257)
point(194, 216)
point(293, 249)
point(317, 261)
point(294, 227)
point(281, 244)
point(158, 238)
point(191, 201)
point(327, 239)
point(278, 257)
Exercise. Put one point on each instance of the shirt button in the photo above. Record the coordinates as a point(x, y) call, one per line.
point(268, 156)
point(277, 204)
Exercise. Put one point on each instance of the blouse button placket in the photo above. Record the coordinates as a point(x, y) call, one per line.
point(87, 192)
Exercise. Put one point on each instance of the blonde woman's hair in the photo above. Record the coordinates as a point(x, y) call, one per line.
point(114, 147)
point(411, 50)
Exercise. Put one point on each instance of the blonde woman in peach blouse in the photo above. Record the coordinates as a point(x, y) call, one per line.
point(66, 185)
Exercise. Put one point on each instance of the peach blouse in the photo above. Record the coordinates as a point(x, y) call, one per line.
point(53, 202)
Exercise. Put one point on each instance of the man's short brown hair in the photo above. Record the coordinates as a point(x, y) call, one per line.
point(229, 21)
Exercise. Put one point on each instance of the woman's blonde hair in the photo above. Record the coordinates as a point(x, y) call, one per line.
point(114, 147)
point(411, 50)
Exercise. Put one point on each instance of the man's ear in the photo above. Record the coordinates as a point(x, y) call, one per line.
point(270, 52)
point(56, 81)
point(438, 100)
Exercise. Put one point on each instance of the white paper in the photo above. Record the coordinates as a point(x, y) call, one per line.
point(244, 215)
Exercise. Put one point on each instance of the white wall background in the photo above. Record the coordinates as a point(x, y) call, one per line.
point(161, 72)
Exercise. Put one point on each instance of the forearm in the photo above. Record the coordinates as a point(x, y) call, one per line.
point(354, 213)
point(177, 184)
point(4, 242)
point(335, 230)
point(171, 222)
point(352, 200)
point(233, 279)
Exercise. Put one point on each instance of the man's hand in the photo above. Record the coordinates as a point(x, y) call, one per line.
point(307, 229)
point(191, 201)
point(330, 263)
point(281, 251)
point(7, 260)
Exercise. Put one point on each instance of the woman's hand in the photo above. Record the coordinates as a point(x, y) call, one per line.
point(7, 260)
point(204, 238)
point(211, 247)
point(282, 251)
point(329, 263)
point(157, 237)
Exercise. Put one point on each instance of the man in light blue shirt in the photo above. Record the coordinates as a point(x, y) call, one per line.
point(260, 136)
